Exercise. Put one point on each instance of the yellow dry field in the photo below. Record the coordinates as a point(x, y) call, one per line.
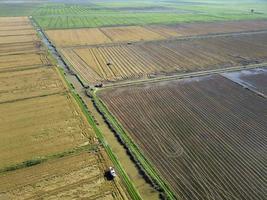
point(73, 37)
point(18, 32)
point(21, 61)
point(72, 177)
point(15, 27)
point(39, 118)
point(10, 20)
point(40, 126)
point(15, 49)
point(131, 33)
point(29, 83)
point(14, 23)
point(18, 39)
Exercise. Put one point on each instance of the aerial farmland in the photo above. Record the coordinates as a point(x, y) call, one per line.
point(142, 100)
point(42, 123)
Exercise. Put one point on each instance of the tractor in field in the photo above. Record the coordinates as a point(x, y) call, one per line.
point(110, 174)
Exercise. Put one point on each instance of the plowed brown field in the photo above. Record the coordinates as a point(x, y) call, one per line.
point(206, 136)
point(209, 28)
point(120, 62)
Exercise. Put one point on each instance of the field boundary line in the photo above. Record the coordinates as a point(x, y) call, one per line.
point(182, 76)
point(149, 169)
point(33, 97)
point(128, 183)
point(14, 69)
point(100, 29)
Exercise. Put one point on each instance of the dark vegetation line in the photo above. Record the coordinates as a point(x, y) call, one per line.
point(33, 97)
point(42, 159)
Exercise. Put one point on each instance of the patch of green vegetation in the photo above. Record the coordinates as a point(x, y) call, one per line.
point(93, 13)
point(112, 13)
point(17, 9)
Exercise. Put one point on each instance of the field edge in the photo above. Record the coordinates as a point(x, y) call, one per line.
point(146, 165)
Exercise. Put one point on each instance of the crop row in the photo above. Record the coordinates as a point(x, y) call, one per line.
point(120, 62)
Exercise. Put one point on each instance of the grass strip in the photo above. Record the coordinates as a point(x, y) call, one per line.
point(128, 183)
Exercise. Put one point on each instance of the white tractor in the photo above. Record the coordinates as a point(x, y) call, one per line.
point(112, 172)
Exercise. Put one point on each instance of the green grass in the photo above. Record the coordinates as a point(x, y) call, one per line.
point(95, 13)
point(112, 13)
point(17, 9)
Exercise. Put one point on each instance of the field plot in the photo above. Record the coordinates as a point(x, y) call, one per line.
point(119, 62)
point(77, 37)
point(40, 126)
point(94, 36)
point(255, 79)
point(17, 38)
point(130, 33)
point(208, 28)
point(206, 136)
point(45, 138)
point(20, 47)
point(29, 83)
point(21, 61)
point(71, 177)
point(15, 24)
point(14, 21)
point(108, 13)
point(17, 32)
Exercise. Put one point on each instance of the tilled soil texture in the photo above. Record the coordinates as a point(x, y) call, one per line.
point(206, 136)
point(122, 62)
point(72, 177)
point(254, 79)
point(191, 29)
